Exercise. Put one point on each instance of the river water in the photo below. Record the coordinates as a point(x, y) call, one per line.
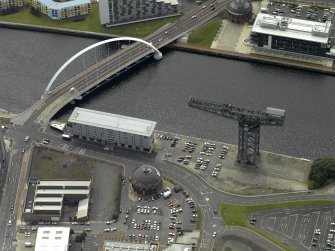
point(160, 91)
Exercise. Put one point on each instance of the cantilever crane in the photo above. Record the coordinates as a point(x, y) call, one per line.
point(249, 123)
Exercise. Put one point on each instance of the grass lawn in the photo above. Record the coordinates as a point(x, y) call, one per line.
point(237, 215)
point(4, 120)
point(199, 219)
point(91, 23)
point(52, 164)
point(205, 35)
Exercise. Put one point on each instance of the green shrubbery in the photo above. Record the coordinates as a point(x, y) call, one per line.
point(322, 173)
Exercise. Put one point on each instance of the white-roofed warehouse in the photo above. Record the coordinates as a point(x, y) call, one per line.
point(111, 129)
point(52, 239)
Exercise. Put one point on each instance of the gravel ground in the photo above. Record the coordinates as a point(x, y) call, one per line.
point(234, 243)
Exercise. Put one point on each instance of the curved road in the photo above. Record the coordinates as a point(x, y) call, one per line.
point(207, 196)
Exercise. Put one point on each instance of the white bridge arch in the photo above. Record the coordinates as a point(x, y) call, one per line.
point(158, 55)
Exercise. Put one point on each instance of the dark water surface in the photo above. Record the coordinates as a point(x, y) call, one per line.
point(160, 91)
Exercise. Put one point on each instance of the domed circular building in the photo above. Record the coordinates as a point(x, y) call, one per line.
point(146, 180)
point(239, 11)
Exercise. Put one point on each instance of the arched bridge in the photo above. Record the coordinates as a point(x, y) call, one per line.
point(158, 55)
point(55, 99)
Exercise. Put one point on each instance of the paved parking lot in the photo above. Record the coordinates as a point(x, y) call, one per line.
point(274, 172)
point(301, 12)
point(308, 228)
point(152, 219)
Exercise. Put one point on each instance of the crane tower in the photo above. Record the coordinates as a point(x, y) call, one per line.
point(249, 123)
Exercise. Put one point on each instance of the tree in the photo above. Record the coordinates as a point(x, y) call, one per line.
point(322, 172)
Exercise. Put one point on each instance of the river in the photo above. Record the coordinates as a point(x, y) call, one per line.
point(159, 91)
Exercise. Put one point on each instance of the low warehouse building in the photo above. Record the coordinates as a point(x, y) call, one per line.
point(52, 239)
point(46, 198)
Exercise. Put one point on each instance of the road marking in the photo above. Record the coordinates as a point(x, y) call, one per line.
point(295, 223)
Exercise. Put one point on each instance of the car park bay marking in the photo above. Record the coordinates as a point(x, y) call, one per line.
point(273, 219)
point(295, 223)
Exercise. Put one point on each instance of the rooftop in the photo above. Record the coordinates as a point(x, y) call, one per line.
point(172, 2)
point(121, 246)
point(52, 239)
point(82, 208)
point(112, 121)
point(62, 192)
point(292, 28)
point(49, 199)
point(67, 183)
point(47, 207)
point(58, 6)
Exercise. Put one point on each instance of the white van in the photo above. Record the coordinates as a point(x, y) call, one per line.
point(264, 10)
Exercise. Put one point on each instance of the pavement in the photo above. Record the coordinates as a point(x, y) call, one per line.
point(274, 173)
point(207, 196)
point(231, 38)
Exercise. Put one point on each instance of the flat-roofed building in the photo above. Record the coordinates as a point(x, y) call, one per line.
point(52, 239)
point(117, 12)
point(125, 246)
point(7, 4)
point(112, 129)
point(46, 198)
point(292, 35)
point(60, 10)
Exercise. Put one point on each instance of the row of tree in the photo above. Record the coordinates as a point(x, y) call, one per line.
point(322, 172)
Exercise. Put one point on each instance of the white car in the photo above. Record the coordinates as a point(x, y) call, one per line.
point(214, 234)
point(194, 16)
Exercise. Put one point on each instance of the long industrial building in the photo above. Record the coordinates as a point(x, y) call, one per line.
point(293, 35)
point(46, 198)
point(111, 129)
point(117, 12)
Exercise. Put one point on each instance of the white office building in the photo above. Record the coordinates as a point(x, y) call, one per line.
point(52, 239)
point(112, 129)
point(278, 33)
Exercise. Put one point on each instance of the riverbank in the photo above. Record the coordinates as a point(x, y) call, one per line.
point(182, 46)
point(61, 31)
point(275, 173)
point(5, 116)
point(253, 58)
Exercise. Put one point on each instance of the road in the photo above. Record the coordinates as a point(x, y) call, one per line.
point(207, 196)
point(82, 82)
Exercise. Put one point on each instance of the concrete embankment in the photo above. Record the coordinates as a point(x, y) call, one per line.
point(54, 30)
point(275, 173)
point(253, 58)
point(5, 116)
point(183, 47)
